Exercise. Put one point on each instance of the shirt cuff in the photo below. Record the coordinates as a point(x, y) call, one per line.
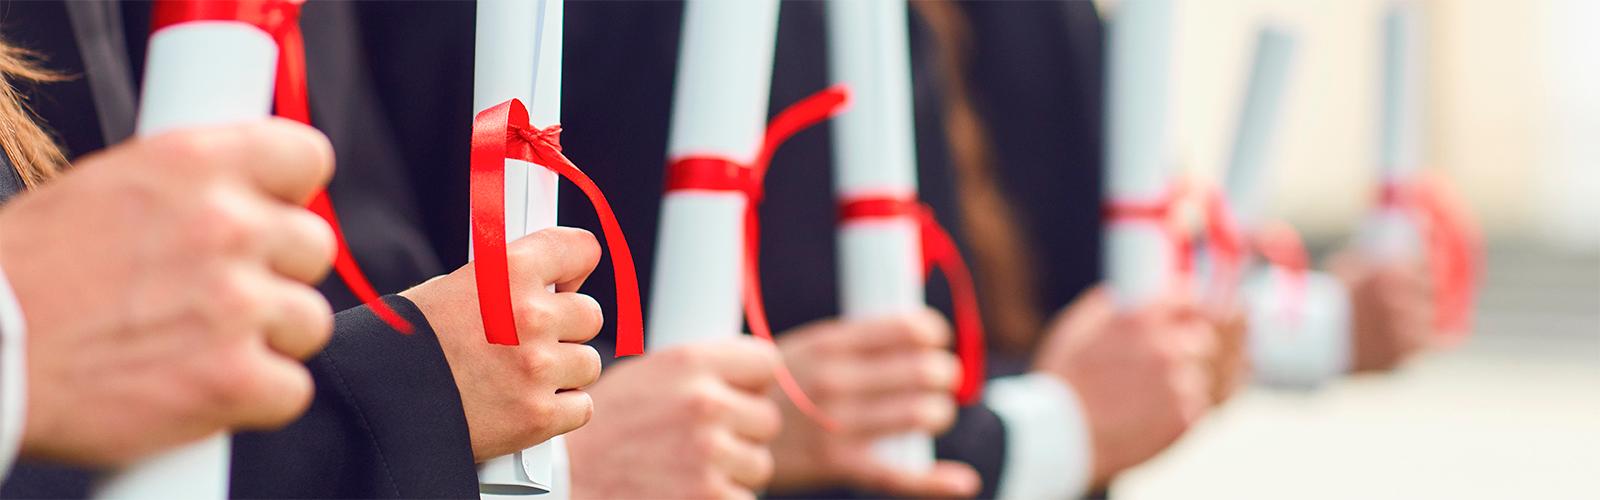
point(13, 373)
point(1299, 331)
point(1047, 437)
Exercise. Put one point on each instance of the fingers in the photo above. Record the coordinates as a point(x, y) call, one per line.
point(924, 412)
point(743, 362)
point(286, 160)
point(559, 256)
point(300, 245)
point(751, 417)
point(747, 465)
point(945, 480)
point(925, 328)
point(299, 320)
point(897, 372)
point(266, 391)
point(568, 411)
point(567, 316)
point(574, 366)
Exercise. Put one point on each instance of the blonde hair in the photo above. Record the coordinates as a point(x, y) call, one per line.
point(32, 150)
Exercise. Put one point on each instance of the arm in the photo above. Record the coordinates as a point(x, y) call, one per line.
point(387, 421)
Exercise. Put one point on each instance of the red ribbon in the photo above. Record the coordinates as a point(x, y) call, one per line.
point(1158, 211)
point(503, 133)
point(1226, 240)
point(938, 251)
point(710, 173)
point(1454, 249)
point(281, 20)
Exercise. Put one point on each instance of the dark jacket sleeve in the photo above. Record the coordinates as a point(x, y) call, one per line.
point(386, 422)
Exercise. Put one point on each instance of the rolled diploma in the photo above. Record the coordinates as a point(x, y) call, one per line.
point(1140, 258)
point(719, 108)
point(514, 61)
point(1301, 345)
point(1391, 234)
point(880, 259)
point(1258, 118)
point(198, 73)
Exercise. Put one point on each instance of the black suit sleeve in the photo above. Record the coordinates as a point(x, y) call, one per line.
point(979, 439)
point(386, 422)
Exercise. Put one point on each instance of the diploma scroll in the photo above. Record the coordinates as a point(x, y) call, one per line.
point(719, 110)
point(1392, 234)
point(1258, 119)
point(517, 47)
point(880, 258)
point(198, 73)
point(1141, 248)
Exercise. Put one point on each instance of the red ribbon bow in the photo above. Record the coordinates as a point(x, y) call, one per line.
point(938, 250)
point(709, 173)
point(281, 20)
point(503, 133)
point(1454, 249)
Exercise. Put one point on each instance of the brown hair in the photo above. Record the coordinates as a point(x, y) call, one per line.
point(1001, 254)
point(32, 151)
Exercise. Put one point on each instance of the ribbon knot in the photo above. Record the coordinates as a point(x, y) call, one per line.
point(712, 173)
point(939, 251)
point(280, 19)
point(503, 133)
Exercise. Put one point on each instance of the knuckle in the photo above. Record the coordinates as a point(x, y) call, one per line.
point(704, 446)
point(230, 298)
point(539, 314)
point(220, 225)
point(589, 364)
point(703, 405)
point(683, 357)
point(829, 385)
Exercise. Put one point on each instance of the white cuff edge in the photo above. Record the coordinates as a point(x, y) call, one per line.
point(1047, 438)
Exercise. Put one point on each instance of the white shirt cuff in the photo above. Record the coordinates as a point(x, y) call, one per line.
point(13, 373)
point(1047, 438)
point(1299, 335)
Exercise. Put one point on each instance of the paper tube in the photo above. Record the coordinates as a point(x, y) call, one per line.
point(719, 109)
point(880, 259)
point(198, 73)
point(518, 55)
point(1391, 234)
point(1258, 119)
point(1140, 254)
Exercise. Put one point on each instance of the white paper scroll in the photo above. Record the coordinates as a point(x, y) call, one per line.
point(1299, 327)
point(1139, 254)
point(880, 259)
point(1258, 119)
point(197, 73)
point(518, 55)
point(719, 108)
point(1391, 234)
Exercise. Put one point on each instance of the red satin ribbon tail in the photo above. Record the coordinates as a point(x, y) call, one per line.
point(801, 115)
point(939, 250)
point(291, 101)
point(1454, 256)
point(630, 319)
point(487, 182)
point(755, 312)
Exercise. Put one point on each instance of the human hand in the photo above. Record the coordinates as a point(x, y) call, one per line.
point(688, 422)
point(1391, 309)
point(519, 396)
point(1143, 377)
point(164, 282)
point(875, 378)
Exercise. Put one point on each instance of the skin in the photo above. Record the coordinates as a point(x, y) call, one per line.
point(165, 285)
point(1143, 377)
point(875, 378)
point(1391, 310)
point(519, 396)
point(688, 422)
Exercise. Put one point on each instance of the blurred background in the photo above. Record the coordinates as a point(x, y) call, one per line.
point(1513, 120)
